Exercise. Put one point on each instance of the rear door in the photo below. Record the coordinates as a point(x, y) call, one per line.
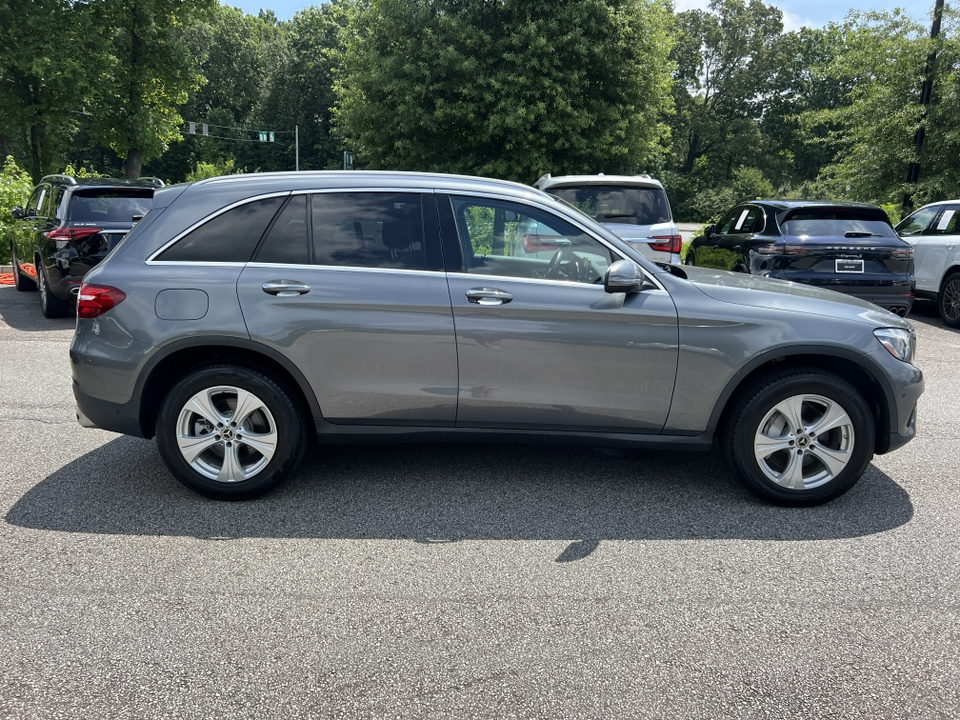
point(541, 345)
point(349, 285)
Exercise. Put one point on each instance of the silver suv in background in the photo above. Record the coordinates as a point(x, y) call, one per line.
point(244, 316)
point(635, 207)
point(934, 232)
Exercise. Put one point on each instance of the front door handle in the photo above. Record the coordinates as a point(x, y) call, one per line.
point(488, 296)
point(285, 288)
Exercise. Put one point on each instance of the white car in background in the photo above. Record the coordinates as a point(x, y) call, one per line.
point(635, 207)
point(934, 232)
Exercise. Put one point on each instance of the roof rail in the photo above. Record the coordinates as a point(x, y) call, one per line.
point(155, 181)
point(68, 179)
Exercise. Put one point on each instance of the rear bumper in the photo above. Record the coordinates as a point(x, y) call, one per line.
point(885, 293)
point(96, 413)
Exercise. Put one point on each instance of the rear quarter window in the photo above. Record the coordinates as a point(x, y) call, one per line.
point(231, 236)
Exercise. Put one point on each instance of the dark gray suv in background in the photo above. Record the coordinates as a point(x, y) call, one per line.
point(244, 315)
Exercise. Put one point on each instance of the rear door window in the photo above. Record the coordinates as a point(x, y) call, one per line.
point(368, 230)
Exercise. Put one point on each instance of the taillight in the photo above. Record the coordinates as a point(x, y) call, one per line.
point(667, 243)
point(72, 233)
point(536, 243)
point(94, 300)
point(906, 252)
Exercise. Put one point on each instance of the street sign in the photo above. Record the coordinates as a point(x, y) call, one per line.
point(263, 136)
point(271, 136)
point(192, 128)
point(347, 160)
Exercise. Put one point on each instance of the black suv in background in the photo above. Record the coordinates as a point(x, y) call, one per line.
point(67, 227)
point(848, 247)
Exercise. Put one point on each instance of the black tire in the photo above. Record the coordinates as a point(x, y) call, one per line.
point(23, 284)
point(948, 300)
point(50, 305)
point(690, 259)
point(799, 468)
point(252, 468)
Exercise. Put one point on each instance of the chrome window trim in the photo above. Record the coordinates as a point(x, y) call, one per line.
point(342, 268)
point(152, 259)
point(283, 193)
point(551, 281)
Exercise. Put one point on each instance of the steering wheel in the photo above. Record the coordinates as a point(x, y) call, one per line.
point(555, 268)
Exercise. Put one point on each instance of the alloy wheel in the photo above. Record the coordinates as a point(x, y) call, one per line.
point(226, 434)
point(804, 442)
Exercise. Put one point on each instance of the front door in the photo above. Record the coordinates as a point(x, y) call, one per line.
point(541, 345)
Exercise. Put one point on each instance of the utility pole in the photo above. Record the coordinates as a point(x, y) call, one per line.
point(913, 172)
point(296, 141)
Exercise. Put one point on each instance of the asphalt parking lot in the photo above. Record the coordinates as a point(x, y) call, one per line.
point(466, 580)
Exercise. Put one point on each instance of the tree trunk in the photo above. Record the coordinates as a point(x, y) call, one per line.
point(134, 164)
point(6, 148)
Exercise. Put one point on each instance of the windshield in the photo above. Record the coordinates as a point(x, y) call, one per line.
point(838, 222)
point(617, 203)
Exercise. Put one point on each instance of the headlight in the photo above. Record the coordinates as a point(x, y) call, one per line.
point(902, 344)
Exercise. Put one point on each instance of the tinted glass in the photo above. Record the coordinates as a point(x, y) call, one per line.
point(35, 200)
point(368, 230)
point(231, 236)
point(947, 223)
point(918, 222)
point(729, 221)
point(837, 222)
point(618, 204)
point(109, 205)
point(286, 242)
point(501, 238)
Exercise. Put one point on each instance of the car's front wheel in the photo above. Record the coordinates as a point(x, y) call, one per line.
point(948, 301)
point(799, 437)
point(229, 432)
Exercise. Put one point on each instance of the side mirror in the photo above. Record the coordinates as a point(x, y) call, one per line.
point(17, 213)
point(623, 276)
point(709, 230)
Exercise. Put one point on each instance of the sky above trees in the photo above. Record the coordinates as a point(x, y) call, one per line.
point(796, 13)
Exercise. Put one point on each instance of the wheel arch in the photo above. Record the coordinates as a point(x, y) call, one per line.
point(845, 364)
point(181, 357)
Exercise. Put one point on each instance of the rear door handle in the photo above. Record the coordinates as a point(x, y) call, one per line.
point(285, 288)
point(488, 296)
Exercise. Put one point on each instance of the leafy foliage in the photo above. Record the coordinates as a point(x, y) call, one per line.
point(15, 187)
point(145, 72)
point(509, 89)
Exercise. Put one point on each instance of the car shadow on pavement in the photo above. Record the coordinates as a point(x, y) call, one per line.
point(21, 311)
point(450, 492)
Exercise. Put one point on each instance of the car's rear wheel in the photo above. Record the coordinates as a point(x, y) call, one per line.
point(229, 432)
point(799, 437)
point(948, 301)
point(690, 259)
point(50, 304)
point(20, 282)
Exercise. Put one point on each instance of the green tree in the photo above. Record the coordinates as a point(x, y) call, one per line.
point(725, 61)
point(42, 90)
point(883, 60)
point(146, 73)
point(510, 89)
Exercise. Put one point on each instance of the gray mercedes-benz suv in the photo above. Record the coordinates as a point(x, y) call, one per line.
point(245, 314)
